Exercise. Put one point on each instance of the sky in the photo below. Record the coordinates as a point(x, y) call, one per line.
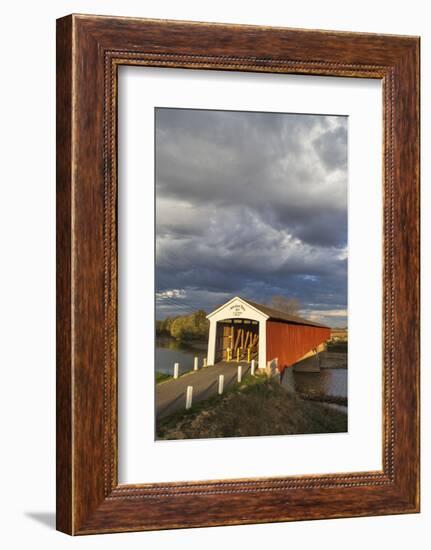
point(254, 205)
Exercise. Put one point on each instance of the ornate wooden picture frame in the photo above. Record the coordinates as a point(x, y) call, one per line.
point(89, 51)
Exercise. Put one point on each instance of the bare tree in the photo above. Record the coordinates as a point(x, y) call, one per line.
point(287, 305)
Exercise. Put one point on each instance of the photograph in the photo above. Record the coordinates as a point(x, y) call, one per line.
point(251, 273)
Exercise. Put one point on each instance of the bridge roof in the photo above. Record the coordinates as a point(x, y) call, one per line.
point(270, 313)
point(276, 315)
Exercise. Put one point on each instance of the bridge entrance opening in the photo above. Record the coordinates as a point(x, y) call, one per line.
point(237, 340)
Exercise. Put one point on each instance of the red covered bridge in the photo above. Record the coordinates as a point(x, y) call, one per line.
point(242, 330)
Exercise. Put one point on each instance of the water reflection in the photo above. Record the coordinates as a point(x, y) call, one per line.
point(331, 382)
point(170, 351)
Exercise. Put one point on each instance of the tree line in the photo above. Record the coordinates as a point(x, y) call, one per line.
point(184, 327)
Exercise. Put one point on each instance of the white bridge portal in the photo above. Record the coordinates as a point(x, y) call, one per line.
point(237, 328)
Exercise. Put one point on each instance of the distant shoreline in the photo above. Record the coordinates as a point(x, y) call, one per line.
point(166, 337)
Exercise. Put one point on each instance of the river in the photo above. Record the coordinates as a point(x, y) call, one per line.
point(328, 382)
point(170, 351)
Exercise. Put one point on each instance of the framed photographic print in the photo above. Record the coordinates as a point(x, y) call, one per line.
point(237, 274)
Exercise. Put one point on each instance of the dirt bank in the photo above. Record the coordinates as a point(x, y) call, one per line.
point(256, 407)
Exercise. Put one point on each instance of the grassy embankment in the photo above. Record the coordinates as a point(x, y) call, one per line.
point(162, 377)
point(256, 406)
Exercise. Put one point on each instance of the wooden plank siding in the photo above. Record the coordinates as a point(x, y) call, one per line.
point(289, 342)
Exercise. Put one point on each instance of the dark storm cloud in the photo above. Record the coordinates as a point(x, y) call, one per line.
point(331, 147)
point(252, 204)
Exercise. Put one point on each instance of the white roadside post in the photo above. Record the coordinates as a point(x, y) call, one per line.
point(189, 397)
point(196, 367)
point(220, 383)
point(253, 367)
point(239, 373)
point(205, 362)
point(176, 370)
